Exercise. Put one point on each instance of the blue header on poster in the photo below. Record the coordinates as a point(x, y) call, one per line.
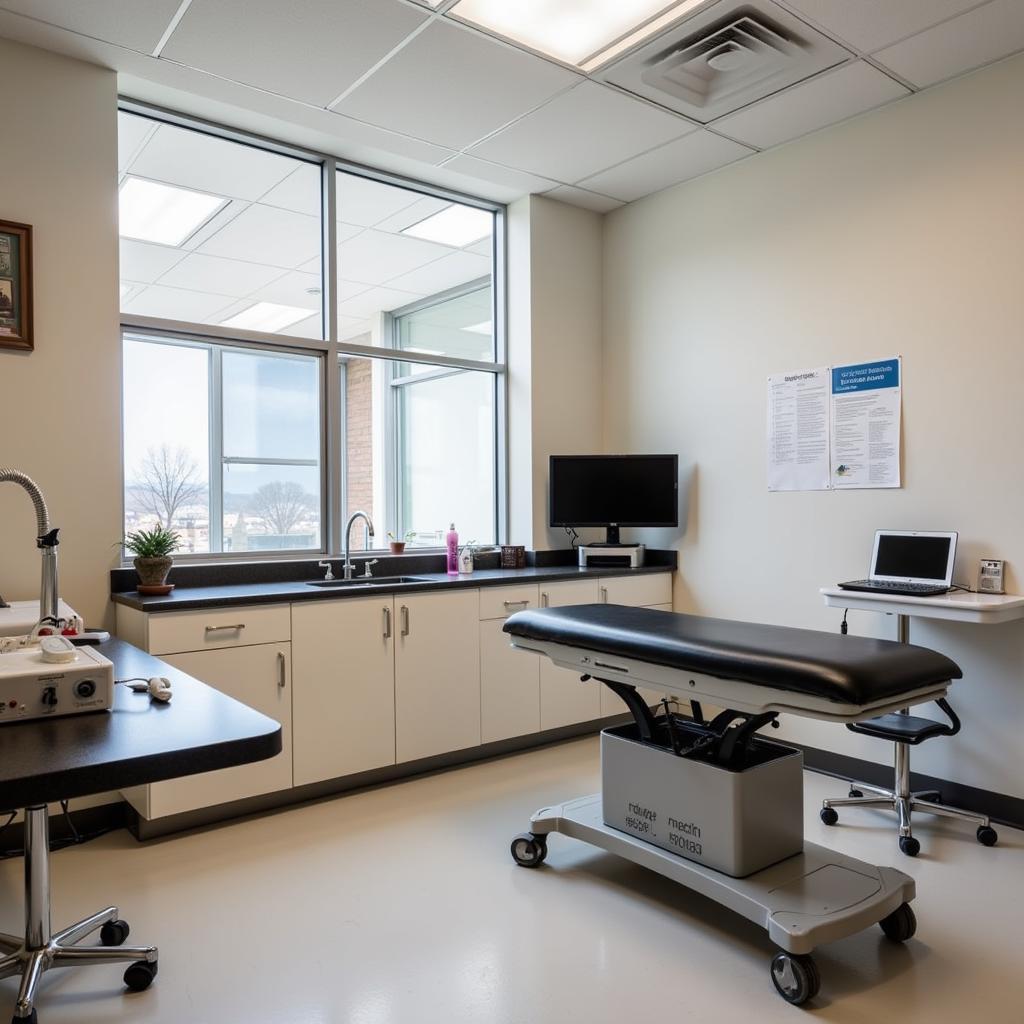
point(866, 376)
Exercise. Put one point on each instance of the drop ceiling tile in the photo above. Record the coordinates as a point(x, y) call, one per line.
point(376, 256)
point(143, 261)
point(214, 274)
point(979, 37)
point(420, 209)
point(175, 303)
point(581, 132)
point(366, 202)
point(826, 99)
point(484, 247)
point(678, 161)
point(376, 300)
point(293, 289)
point(299, 192)
point(442, 274)
point(137, 24)
point(350, 289)
point(309, 50)
point(869, 24)
point(306, 328)
point(209, 164)
point(452, 86)
point(523, 182)
point(267, 235)
point(351, 328)
point(575, 196)
point(132, 131)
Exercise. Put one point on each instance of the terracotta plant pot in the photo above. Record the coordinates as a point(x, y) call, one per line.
point(397, 547)
point(153, 574)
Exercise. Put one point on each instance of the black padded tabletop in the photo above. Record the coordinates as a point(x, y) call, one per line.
point(846, 669)
point(139, 741)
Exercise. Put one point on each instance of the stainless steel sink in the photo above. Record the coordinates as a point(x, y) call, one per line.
point(364, 581)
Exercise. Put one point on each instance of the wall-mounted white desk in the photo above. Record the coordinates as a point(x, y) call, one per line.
point(957, 605)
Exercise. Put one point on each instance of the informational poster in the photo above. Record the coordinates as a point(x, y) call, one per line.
point(798, 430)
point(866, 424)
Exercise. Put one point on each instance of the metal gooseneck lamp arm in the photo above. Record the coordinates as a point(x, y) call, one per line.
point(46, 541)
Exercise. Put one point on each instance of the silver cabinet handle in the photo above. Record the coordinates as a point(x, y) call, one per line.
point(387, 623)
point(216, 629)
point(282, 679)
point(515, 604)
point(405, 620)
point(544, 600)
point(604, 595)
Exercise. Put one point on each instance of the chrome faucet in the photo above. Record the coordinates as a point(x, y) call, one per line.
point(46, 541)
point(347, 567)
point(329, 575)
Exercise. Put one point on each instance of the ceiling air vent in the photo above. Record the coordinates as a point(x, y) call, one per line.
point(723, 58)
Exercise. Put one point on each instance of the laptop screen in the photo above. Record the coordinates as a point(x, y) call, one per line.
point(907, 556)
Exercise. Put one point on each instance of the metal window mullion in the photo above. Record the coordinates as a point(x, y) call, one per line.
point(244, 460)
point(499, 323)
point(333, 471)
point(216, 450)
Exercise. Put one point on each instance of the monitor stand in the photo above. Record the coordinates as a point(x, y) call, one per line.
point(611, 540)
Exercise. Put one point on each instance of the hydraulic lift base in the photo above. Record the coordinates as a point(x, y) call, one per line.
point(818, 896)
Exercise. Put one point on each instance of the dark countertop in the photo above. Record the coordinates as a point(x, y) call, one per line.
point(139, 741)
point(279, 592)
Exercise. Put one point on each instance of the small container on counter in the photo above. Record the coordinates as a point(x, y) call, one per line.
point(453, 551)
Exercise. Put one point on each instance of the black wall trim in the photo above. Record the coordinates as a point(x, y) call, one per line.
point(1007, 810)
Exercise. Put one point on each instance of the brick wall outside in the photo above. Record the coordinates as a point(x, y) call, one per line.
point(359, 437)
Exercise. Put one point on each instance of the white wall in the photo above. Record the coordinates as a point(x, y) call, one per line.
point(898, 233)
point(60, 406)
point(555, 366)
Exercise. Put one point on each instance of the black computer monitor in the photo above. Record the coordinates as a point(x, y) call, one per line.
point(613, 491)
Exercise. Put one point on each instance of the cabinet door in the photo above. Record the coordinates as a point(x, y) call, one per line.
point(343, 662)
point(564, 700)
point(437, 673)
point(259, 676)
point(509, 683)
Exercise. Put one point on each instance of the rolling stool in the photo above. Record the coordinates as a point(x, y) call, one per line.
point(906, 730)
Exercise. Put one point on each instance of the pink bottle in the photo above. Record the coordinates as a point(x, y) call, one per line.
point(453, 551)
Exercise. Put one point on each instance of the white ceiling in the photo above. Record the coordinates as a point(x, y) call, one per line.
point(402, 86)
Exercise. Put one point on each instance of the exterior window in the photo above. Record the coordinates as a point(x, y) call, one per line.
point(226, 284)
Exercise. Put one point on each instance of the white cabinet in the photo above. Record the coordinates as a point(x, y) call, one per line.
point(509, 679)
point(259, 676)
point(343, 663)
point(564, 700)
point(437, 673)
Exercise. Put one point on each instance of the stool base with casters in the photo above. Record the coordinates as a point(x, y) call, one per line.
point(906, 730)
point(40, 950)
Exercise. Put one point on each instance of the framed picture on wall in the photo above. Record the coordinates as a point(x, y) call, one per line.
point(16, 286)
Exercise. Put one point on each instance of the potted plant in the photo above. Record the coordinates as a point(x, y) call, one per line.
point(398, 546)
point(152, 550)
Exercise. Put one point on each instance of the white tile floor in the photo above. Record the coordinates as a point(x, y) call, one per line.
point(401, 906)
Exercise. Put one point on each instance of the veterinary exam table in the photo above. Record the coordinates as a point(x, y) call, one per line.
point(811, 895)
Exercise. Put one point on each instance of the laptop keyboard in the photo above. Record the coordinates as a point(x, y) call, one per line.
point(892, 587)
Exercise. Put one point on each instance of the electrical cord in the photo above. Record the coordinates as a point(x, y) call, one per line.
point(76, 838)
point(574, 537)
point(843, 627)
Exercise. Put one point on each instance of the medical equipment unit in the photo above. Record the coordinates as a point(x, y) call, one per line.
point(613, 491)
point(711, 804)
point(35, 683)
point(990, 576)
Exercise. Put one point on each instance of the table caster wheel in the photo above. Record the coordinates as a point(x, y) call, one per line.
point(139, 976)
point(829, 815)
point(529, 850)
point(113, 933)
point(795, 977)
point(900, 925)
point(987, 835)
point(855, 794)
point(910, 846)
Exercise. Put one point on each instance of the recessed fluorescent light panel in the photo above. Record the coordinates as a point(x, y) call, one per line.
point(151, 211)
point(572, 31)
point(483, 328)
point(268, 317)
point(455, 225)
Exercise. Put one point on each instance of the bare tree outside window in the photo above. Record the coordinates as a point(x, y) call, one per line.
point(167, 480)
point(282, 505)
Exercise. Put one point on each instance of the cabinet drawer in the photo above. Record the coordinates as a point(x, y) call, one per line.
point(569, 592)
point(500, 602)
point(178, 632)
point(639, 591)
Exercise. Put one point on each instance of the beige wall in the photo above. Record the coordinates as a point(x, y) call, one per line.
point(898, 233)
point(555, 368)
point(60, 406)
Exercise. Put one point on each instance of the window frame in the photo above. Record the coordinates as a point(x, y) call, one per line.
point(329, 348)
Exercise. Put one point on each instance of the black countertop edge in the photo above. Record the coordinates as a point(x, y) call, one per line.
point(301, 569)
point(230, 595)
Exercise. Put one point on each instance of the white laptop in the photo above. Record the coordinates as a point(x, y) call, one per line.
point(911, 562)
